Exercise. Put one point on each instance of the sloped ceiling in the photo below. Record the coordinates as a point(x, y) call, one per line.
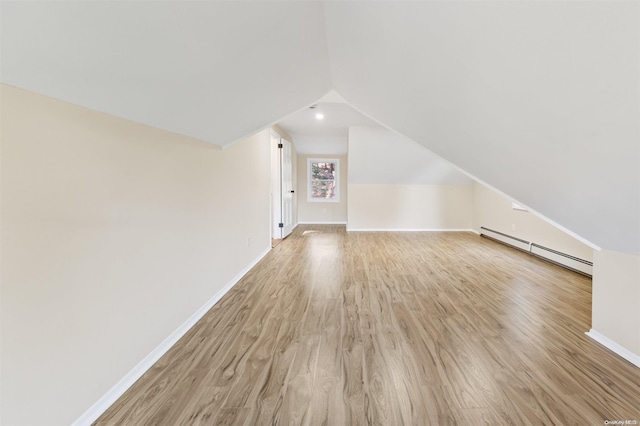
point(217, 71)
point(327, 136)
point(538, 99)
point(380, 156)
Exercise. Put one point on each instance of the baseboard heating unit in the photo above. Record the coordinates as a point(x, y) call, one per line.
point(565, 260)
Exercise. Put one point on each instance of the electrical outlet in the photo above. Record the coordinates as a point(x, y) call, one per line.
point(513, 226)
point(248, 241)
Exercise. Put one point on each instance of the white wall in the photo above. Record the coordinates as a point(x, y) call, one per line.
point(319, 212)
point(494, 211)
point(113, 234)
point(396, 184)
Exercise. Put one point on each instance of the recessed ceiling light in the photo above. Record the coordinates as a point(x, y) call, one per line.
point(319, 116)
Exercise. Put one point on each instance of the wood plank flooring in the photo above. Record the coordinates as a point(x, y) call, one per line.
point(336, 328)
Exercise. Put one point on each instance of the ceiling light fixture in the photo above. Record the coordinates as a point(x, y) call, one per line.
point(319, 116)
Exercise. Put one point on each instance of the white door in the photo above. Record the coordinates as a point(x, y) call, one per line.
point(286, 188)
point(276, 183)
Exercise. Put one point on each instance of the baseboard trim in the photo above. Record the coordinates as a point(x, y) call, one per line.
point(97, 409)
point(322, 223)
point(614, 347)
point(410, 230)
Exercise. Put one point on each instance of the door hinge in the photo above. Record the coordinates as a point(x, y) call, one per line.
point(279, 145)
point(281, 225)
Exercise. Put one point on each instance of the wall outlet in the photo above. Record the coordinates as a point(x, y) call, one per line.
point(513, 226)
point(248, 241)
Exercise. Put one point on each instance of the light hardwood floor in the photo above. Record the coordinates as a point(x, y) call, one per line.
point(335, 328)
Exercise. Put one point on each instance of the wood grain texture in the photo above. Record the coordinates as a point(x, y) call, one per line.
point(332, 328)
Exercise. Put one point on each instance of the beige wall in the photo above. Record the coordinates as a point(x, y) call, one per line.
point(616, 299)
point(282, 133)
point(495, 211)
point(317, 212)
point(409, 207)
point(396, 184)
point(113, 234)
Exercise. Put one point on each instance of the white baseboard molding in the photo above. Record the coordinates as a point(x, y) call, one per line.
point(322, 223)
point(475, 231)
point(614, 347)
point(97, 409)
point(409, 230)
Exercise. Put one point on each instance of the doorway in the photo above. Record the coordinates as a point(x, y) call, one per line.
point(282, 186)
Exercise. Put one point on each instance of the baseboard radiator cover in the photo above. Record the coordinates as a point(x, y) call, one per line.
point(565, 260)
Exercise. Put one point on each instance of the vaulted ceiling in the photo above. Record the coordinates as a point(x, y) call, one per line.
point(326, 136)
point(540, 100)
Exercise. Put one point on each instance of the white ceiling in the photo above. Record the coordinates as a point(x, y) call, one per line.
point(327, 136)
point(379, 156)
point(538, 99)
point(217, 71)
